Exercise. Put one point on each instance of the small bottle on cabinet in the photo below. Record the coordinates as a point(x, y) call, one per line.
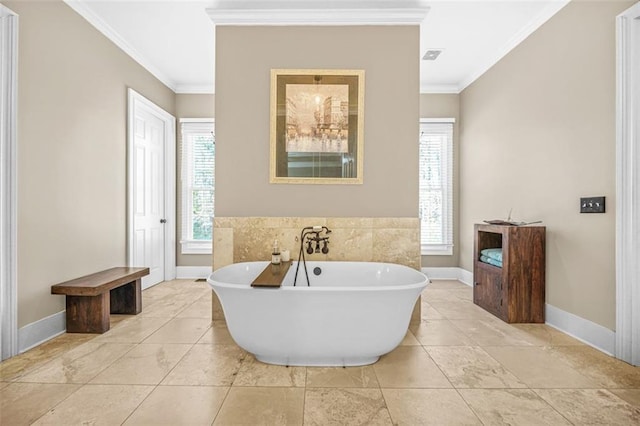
point(275, 254)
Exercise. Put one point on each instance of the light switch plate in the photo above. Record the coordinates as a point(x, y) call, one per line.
point(592, 205)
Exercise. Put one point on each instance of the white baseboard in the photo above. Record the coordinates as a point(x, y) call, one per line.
point(582, 329)
point(454, 273)
point(38, 332)
point(185, 272)
point(466, 277)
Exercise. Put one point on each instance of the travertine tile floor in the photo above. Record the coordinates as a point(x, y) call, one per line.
point(459, 366)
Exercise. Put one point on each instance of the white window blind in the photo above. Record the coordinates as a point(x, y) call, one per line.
point(198, 186)
point(436, 187)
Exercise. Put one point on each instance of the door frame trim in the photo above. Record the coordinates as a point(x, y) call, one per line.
point(627, 188)
point(9, 186)
point(169, 181)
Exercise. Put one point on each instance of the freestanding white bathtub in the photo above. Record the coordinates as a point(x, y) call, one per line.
point(352, 312)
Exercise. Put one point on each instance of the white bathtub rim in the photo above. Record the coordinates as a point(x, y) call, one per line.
point(312, 288)
point(303, 287)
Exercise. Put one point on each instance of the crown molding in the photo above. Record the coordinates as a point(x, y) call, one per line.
point(81, 7)
point(534, 24)
point(440, 88)
point(235, 15)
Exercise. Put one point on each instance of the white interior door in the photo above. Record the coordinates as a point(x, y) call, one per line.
point(149, 233)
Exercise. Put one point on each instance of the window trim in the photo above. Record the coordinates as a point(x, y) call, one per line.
point(445, 249)
point(190, 246)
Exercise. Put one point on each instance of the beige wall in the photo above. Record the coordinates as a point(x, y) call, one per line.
point(72, 114)
point(189, 106)
point(195, 105)
point(537, 133)
point(244, 57)
point(446, 106)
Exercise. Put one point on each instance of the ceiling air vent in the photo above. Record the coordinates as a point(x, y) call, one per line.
point(432, 54)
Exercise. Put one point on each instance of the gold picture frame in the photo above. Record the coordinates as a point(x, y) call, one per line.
point(317, 126)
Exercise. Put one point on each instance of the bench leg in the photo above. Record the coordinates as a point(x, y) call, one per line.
point(88, 314)
point(127, 299)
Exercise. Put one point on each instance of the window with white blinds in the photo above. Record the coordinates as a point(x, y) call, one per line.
point(198, 185)
point(436, 187)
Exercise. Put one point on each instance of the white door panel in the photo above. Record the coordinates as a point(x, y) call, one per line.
point(149, 135)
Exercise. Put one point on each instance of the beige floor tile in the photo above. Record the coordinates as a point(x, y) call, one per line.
point(352, 406)
point(601, 368)
point(256, 373)
point(428, 407)
point(338, 377)
point(464, 294)
point(491, 332)
point(433, 295)
point(23, 403)
point(97, 405)
point(409, 367)
point(543, 335)
point(632, 396)
point(170, 306)
point(155, 294)
point(201, 308)
point(591, 406)
point(212, 365)
point(117, 319)
point(132, 331)
point(180, 330)
point(80, 364)
point(146, 364)
point(537, 368)
point(448, 285)
point(472, 367)
point(429, 312)
point(179, 405)
point(440, 333)
point(262, 406)
point(217, 334)
point(409, 340)
point(461, 310)
point(190, 284)
point(520, 407)
point(35, 358)
point(413, 375)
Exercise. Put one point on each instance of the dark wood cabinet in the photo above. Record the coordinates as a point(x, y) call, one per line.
point(515, 291)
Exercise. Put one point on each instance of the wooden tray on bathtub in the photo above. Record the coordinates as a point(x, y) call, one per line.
point(272, 275)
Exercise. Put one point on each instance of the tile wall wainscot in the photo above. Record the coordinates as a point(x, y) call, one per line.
point(246, 239)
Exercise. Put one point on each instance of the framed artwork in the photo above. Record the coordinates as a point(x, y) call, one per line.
point(317, 122)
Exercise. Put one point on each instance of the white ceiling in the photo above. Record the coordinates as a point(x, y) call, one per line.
point(175, 39)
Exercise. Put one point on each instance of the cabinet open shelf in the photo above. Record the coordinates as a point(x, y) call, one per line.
point(516, 291)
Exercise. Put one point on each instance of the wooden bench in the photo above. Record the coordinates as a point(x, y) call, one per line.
point(90, 299)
